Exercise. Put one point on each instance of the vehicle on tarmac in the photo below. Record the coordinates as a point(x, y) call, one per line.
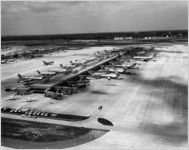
point(46, 114)
point(23, 115)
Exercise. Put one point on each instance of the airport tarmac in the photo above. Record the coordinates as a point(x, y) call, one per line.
point(148, 110)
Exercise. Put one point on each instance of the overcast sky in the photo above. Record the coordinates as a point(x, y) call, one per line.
point(23, 18)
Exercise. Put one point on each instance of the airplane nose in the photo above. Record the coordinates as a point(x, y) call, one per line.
point(105, 122)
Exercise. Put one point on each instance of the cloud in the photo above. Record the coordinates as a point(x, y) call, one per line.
point(29, 17)
point(38, 7)
point(87, 7)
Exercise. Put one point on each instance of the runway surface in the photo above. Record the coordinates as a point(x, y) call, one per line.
point(148, 110)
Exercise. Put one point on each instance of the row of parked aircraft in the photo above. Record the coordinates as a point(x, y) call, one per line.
point(118, 68)
point(113, 71)
point(46, 63)
point(29, 78)
point(44, 75)
point(109, 71)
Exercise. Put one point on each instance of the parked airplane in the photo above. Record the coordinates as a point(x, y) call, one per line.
point(143, 58)
point(128, 65)
point(46, 73)
point(115, 69)
point(104, 74)
point(66, 67)
point(29, 78)
point(46, 63)
point(60, 71)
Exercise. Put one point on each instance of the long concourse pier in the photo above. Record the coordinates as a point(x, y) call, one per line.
point(92, 67)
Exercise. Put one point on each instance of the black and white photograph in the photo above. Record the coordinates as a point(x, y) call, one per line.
point(94, 75)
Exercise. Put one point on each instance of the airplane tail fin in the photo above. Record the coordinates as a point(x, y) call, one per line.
point(38, 72)
point(19, 76)
point(133, 66)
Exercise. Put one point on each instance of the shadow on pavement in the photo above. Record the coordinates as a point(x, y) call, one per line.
point(175, 132)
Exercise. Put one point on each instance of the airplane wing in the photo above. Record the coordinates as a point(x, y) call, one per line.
point(35, 78)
